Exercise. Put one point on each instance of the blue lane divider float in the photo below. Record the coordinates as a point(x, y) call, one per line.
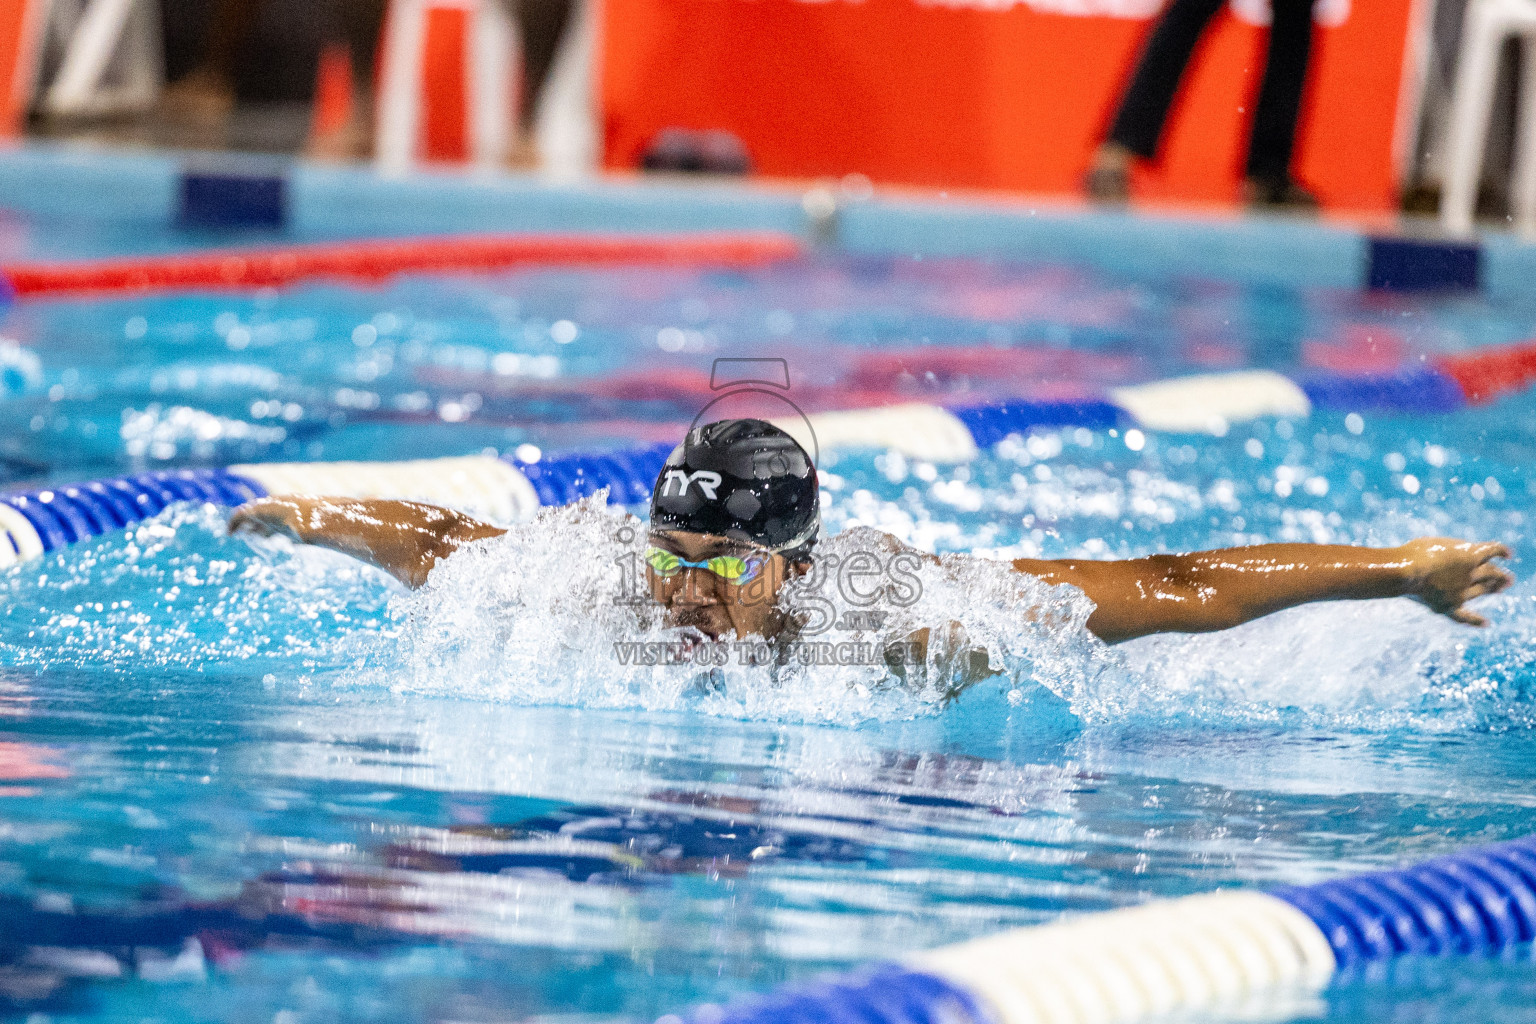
point(508, 489)
point(511, 489)
point(38, 521)
point(628, 475)
point(1477, 901)
point(1201, 953)
point(881, 994)
point(1420, 389)
point(989, 424)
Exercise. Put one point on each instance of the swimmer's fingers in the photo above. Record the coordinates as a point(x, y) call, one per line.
point(1487, 552)
point(247, 520)
point(1485, 579)
point(1453, 572)
point(1489, 579)
point(264, 517)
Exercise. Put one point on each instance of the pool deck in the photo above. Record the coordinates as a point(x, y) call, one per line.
point(312, 202)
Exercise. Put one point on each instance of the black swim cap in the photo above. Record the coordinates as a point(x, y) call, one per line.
point(743, 479)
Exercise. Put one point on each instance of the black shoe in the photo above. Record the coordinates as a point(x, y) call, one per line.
point(1278, 193)
point(1109, 185)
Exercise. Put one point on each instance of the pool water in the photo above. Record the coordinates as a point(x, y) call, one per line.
point(245, 782)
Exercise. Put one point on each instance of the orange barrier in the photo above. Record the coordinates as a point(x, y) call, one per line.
point(444, 117)
point(992, 94)
point(377, 260)
point(18, 42)
point(333, 106)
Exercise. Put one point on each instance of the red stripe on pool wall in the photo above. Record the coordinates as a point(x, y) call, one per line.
point(377, 260)
point(1490, 373)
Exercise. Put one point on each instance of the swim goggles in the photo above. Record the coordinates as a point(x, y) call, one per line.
point(731, 568)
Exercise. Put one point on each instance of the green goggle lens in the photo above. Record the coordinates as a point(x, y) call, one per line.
point(665, 563)
point(728, 567)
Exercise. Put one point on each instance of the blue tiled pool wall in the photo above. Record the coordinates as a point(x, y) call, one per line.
point(305, 201)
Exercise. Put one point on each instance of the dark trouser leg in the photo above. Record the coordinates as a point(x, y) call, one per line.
point(542, 23)
point(360, 22)
point(229, 29)
point(1139, 123)
point(1285, 74)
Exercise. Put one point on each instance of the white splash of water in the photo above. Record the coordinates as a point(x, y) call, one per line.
point(174, 592)
point(538, 616)
point(532, 618)
point(1371, 665)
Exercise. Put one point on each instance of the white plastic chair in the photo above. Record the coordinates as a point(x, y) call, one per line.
point(566, 121)
point(492, 53)
point(1488, 23)
point(112, 62)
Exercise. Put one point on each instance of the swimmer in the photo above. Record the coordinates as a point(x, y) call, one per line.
point(735, 515)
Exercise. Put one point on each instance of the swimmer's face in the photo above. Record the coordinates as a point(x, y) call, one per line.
point(711, 604)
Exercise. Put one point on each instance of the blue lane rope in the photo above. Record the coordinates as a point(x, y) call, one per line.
point(1477, 901)
point(629, 475)
point(989, 424)
point(879, 994)
point(1421, 389)
point(65, 515)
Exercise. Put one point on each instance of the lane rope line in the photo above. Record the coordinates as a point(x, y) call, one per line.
point(1232, 949)
point(510, 489)
point(374, 260)
point(481, 485)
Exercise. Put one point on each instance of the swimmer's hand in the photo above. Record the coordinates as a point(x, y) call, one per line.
point(267, 517)
point(404, 538)
point(958, 664)
point(1446, 573)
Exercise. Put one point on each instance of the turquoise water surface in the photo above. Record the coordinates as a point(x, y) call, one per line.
point(245, 782)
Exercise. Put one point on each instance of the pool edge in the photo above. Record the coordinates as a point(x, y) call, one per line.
point(320, 200)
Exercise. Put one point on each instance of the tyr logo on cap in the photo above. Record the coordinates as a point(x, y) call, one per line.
point(706, 479)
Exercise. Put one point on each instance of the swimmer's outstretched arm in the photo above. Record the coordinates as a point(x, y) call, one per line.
point(404, 538)
point(1211, 590)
